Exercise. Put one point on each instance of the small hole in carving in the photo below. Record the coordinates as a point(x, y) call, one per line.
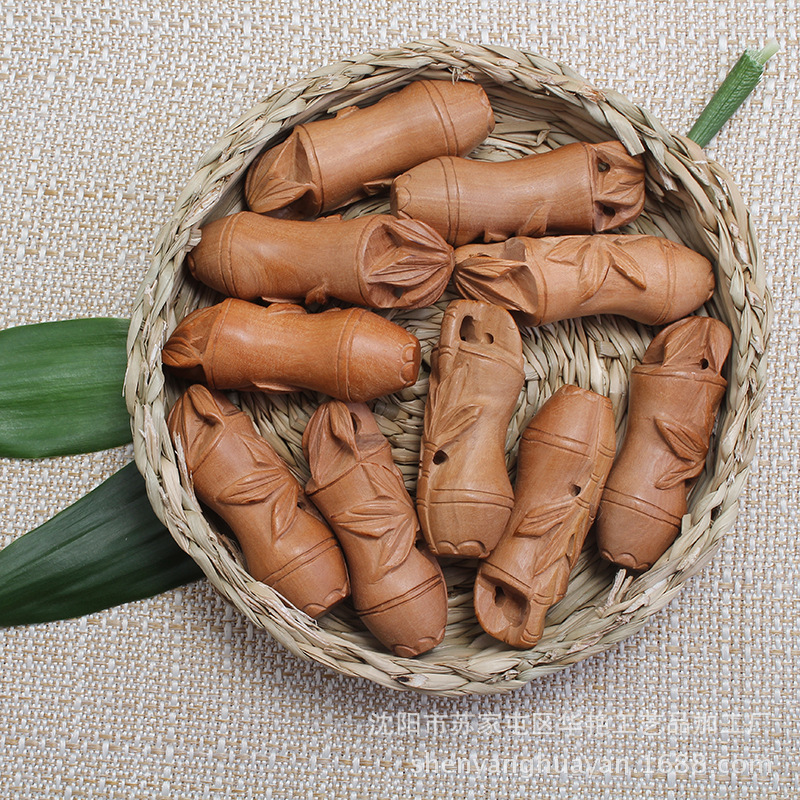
point(398, 291)
point(510, 604)
point(469, 333)
point(575, 490)
point(439, 457)
point(703, 363)
point(608, 211)
point(602, 166)
point(356, 422)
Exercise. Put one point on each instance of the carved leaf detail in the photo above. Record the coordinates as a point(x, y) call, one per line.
point(387, 483)
point(372, 518)
point(499, 281)
point(181, 350)
point(388, 516)
point(317, 294)
point(684, 344)
point(626, 265)
point(277, 193)
point(458, 421)
point(620, 195)
point(556, 553)
point(536, 224)
point(625, 187)
point(286, 308)
point(616, 157)
point(455, 422)
point(405, 269)
point(255, 487)
point(678, 475)
point(629, 180)
point(377, 186)
point(267, 479)
point(341, 426)
point(550, 582)
point(556, 527)
point(444, 425)
point(415, 234)
point(281, 178)
point(543, 519)
point(285, 509)
point(419, 252)
point(569, 539)
point(569, 250)
point(595, 255)
point(689, 445)
point(695, 339)
point(594, 268)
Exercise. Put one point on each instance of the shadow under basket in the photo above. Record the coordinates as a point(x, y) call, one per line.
point(539, 105)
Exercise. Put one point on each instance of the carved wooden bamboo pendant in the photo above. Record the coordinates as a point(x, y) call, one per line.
point(329, 163)
point(646, 278)
point(675, 394)
point(376, 260)
point(398, 589)
point(241, 478)
point(464, 496)
point(577, 188)
point(565, 455)
point(351, 354)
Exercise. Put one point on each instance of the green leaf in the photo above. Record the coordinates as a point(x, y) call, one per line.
point(61, 388)
point(735, 89)
point(107, 548)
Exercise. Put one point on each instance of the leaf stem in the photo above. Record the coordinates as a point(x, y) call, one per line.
point(736, 87)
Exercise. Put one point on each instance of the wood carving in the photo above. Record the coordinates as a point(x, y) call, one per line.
point(398, 588)
point(577, 188)
point(238, 475)
point(377, 260)
point(565, 455)
point(329, 163)
point(464, 496)
point(646, 278)
point(675, 394)
point(351, 354)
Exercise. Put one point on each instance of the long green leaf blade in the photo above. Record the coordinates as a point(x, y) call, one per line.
point(107, 548)
point(61, 388)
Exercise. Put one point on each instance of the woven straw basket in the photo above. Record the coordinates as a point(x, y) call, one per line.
point(539, 105)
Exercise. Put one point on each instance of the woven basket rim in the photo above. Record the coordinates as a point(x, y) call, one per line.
point(697, 201)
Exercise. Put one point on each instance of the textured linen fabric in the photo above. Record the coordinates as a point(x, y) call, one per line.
point(104, 110)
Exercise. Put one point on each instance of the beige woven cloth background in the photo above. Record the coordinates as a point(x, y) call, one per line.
point(104, 110)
